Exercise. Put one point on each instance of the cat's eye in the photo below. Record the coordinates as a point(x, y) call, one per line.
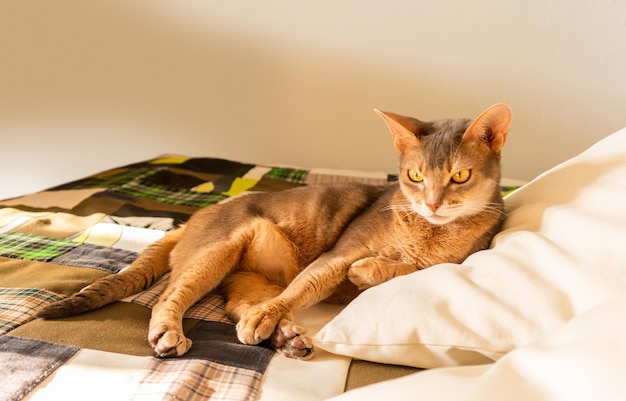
point(461, 176)
point(415, 176)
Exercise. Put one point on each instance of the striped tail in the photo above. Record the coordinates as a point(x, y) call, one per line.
point(151, 264)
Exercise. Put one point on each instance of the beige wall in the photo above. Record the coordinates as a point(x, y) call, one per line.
point(86, 85)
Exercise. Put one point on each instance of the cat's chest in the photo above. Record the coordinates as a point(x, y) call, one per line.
point(419, 242)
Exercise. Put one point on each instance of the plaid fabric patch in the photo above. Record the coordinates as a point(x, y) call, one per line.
point(135, 183)
point(196, 380)
point(209, 308)
point(172, 196)
point(149, 297)
point(18, 305)
point(287, 174)
point(32, 247)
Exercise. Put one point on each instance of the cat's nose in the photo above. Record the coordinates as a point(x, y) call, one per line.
point(433, 206)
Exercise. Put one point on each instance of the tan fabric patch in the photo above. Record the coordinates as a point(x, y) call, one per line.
point(120, 327)
point(64, 199)
point(17, 273)
point(47, 224)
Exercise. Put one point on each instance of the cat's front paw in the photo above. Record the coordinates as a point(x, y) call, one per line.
point(168, 342)
point(258, 323)
point(365, 273)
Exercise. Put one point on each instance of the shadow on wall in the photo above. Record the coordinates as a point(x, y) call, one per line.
point(91, 85)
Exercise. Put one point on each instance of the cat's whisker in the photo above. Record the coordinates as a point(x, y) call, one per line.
point(400, 207)
point(477, 207)
point(466, 208)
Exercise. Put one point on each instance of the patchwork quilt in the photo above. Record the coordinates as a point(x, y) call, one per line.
point(55, 242)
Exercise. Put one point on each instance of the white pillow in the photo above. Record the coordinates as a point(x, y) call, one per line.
point(561, 252)
point(583, 360)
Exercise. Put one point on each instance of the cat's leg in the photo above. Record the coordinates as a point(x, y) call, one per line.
point(189, 282)
point(269, 264)
point(369, 272)
point(246, 289)
point(317, 282)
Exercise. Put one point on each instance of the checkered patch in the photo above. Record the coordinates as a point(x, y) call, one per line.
point(195, 380)
point(18, 305)
point(209, 308)
point(32, 247)
point(172, 196)
point(287, 174)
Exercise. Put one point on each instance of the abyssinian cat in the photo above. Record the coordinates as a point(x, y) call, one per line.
point(274, 253)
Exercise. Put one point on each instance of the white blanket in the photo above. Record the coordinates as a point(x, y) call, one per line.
point(584, 360)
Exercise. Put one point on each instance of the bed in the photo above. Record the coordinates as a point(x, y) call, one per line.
point(540, 315)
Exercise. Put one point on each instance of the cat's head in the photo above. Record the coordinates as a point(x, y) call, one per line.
point(450, 168)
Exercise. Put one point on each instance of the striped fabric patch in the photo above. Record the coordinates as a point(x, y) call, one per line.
point(196, 380)
point(18, 305)
point(317, 179)
point(32, 247)
point(287, 174)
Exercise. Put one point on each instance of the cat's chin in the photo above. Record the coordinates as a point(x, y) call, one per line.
point(438, 219)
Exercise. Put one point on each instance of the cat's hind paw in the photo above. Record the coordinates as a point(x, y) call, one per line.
point(265, 322)
point(291, 340)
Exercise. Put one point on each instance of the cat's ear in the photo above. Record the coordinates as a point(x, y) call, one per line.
point(405, 130)
point(491, 127)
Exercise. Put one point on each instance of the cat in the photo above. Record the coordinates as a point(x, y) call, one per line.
point(271, 254)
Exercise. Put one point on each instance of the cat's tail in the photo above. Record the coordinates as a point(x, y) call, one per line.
point(149, 266)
